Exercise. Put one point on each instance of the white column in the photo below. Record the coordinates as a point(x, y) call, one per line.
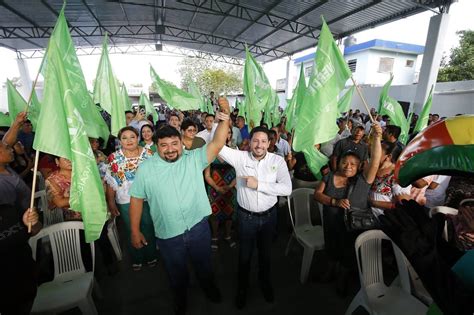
point(26, 83)
point(431, 59)
point(287, 87)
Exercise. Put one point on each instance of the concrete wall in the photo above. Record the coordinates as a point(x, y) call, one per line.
point(449, 98)
point(367, 71)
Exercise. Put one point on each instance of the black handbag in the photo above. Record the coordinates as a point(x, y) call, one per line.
point(357, 219)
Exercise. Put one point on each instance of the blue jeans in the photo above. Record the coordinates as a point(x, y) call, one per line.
point(194, 244)
point(255, 230)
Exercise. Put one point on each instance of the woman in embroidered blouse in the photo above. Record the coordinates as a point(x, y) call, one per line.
point(119, 176)
point(58, 186)
point(147, 138)
point(385, 192)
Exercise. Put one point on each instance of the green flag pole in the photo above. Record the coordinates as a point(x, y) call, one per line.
point(363, 99)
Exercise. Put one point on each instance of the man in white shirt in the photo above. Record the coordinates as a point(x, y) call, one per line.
point(283, 147)
point(328, 147)
point(206, 133)
point(261, 177)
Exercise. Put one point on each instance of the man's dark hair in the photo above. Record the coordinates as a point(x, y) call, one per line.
point(437, 115)
point(173, 114)
point(259, 129)
point(129, 112)
point(388, 148)
point(188, 123)
point(393, 130)
point(165, 132)
point(128, 128)
point(242, 117)
point(211, 115)
point(264, 125)
point(273, 133)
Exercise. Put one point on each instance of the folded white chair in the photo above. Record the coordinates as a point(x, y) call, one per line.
point(310, 236)
point(72, 284)
point(112, 234)
point(374, 295)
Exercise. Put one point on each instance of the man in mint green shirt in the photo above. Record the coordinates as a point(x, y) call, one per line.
point(173, 185)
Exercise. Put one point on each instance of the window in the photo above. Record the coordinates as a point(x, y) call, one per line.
point(352, 65)
point(410, 63)
point(386, 65)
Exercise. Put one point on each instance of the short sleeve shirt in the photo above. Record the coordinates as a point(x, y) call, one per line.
point(345, 145)
point(175, 191)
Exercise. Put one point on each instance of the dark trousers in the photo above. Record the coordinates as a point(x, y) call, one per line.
point(194, 244)
point(339, 243)
point(259, 231)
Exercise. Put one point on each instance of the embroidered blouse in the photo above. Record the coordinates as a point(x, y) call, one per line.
point(121, 172)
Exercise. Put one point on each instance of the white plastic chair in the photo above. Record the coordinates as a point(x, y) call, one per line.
point(374, 295)
point(311, 237)
point(444, 210)
point(112, 234)
point(72, 285)
point(52, 216)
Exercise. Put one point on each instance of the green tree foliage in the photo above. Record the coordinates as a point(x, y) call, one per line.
point(460, 65)
point(210, 76)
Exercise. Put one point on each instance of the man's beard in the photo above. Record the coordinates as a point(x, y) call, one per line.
point(173, 159)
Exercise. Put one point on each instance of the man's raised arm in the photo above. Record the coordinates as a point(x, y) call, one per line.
point(222, 130)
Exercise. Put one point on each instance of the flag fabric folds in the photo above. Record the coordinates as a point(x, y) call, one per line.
point(95, 124)
point(291, 110)
point(16, 102)
point(257, 90)
point(150, 110)
point(175, 97)
point(61, 131)
point(194, 91)
point(345, 101)
point(422, 121)
point(127, 104)
point(318, 113)
point(107, 92)
point(389, 106)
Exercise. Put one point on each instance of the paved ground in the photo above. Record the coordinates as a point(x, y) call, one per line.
point(147, 292)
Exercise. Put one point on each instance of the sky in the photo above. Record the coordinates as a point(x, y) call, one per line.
point(133, 69)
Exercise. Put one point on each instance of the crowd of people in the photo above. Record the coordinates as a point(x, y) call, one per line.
point(175, 181)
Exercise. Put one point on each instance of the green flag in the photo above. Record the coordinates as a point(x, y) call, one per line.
point(127, 104)
point(270, 108)
point(345, 101)
point(4, 120)
point(34, 110)
point(107, 92)
point(194, 91)
point(69, 140)
point(389, 106)
point(291, 110)
point(95, 124)
point(177, 98)
point(210, 108)
point(422, 121)
point(318, 113)
point(16, 102)
point(276, 118)
point(241, 107)
point(150, 110)
point(257, 90)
